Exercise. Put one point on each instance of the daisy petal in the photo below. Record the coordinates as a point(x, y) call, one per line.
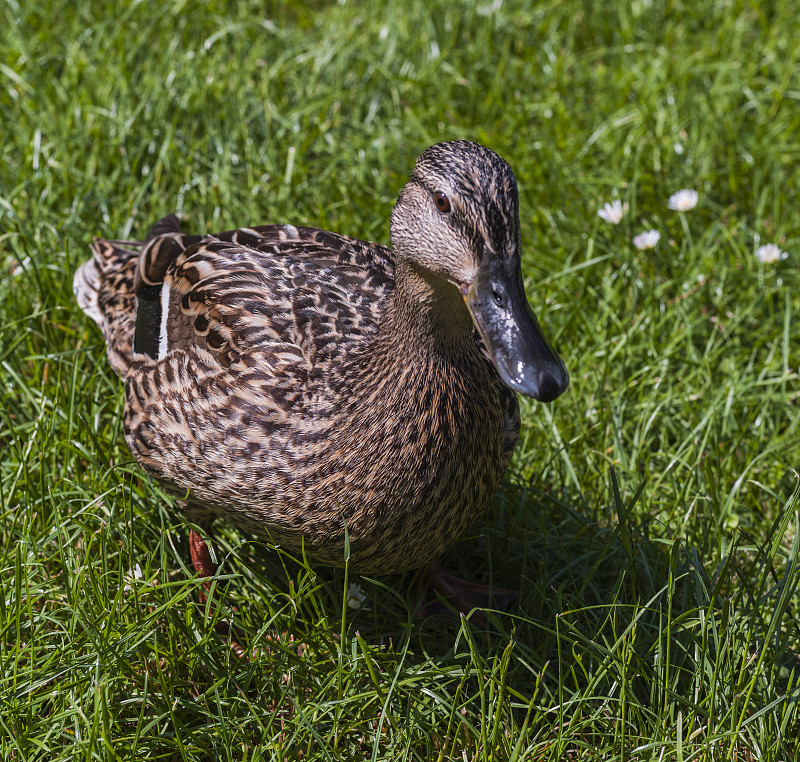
point(612, 212)
point(769, 253)
point(683, 200)
point(647, 240)
point(355, 596)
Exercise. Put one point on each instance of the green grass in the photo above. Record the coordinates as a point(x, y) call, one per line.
point(650, 522)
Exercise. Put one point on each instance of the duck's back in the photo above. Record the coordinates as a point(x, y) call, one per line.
point(276, 288)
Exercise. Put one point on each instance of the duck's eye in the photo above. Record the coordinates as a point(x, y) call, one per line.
point(442, 202)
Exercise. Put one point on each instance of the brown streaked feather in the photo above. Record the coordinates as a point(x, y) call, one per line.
point(312, 461)
point(234, 296)
point(275, 397)
point(299, 392)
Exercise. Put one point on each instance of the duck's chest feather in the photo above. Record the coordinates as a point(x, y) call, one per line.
point(405, 463)
point(418, 469)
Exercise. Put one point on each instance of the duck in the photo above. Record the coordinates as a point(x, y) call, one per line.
point(340, 398)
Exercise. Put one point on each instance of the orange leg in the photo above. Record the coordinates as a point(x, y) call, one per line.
point(205, 567)
point(441, 592)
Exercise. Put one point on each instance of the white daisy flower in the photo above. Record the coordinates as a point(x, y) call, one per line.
point(647, 240)
point(683, 200)
point(612, 212)
point(355, 596)
point(132, 574)
point(770, 253)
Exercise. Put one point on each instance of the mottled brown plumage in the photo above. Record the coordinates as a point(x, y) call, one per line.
point(302, 384)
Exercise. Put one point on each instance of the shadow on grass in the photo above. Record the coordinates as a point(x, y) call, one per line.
point(621, 636)
point(616, 621)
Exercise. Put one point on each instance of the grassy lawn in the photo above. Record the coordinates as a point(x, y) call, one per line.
point(649, 520)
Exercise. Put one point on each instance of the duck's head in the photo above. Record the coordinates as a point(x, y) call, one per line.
point(458, 218)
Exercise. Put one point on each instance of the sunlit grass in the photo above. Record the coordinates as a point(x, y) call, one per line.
point(650, 519)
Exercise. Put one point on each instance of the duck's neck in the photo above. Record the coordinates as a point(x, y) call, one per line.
point(427, 310)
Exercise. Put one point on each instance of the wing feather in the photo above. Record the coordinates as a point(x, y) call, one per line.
point(233, 293)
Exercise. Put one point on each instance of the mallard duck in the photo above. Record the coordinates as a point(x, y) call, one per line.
point(307, 386)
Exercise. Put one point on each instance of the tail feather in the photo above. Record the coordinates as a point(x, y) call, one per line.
point(106, 285)
point(85, 285)
point(103, 287)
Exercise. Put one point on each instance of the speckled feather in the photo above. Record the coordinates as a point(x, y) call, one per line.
point(291, 394)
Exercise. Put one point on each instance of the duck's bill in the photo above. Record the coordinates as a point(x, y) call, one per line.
point(511, 333)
